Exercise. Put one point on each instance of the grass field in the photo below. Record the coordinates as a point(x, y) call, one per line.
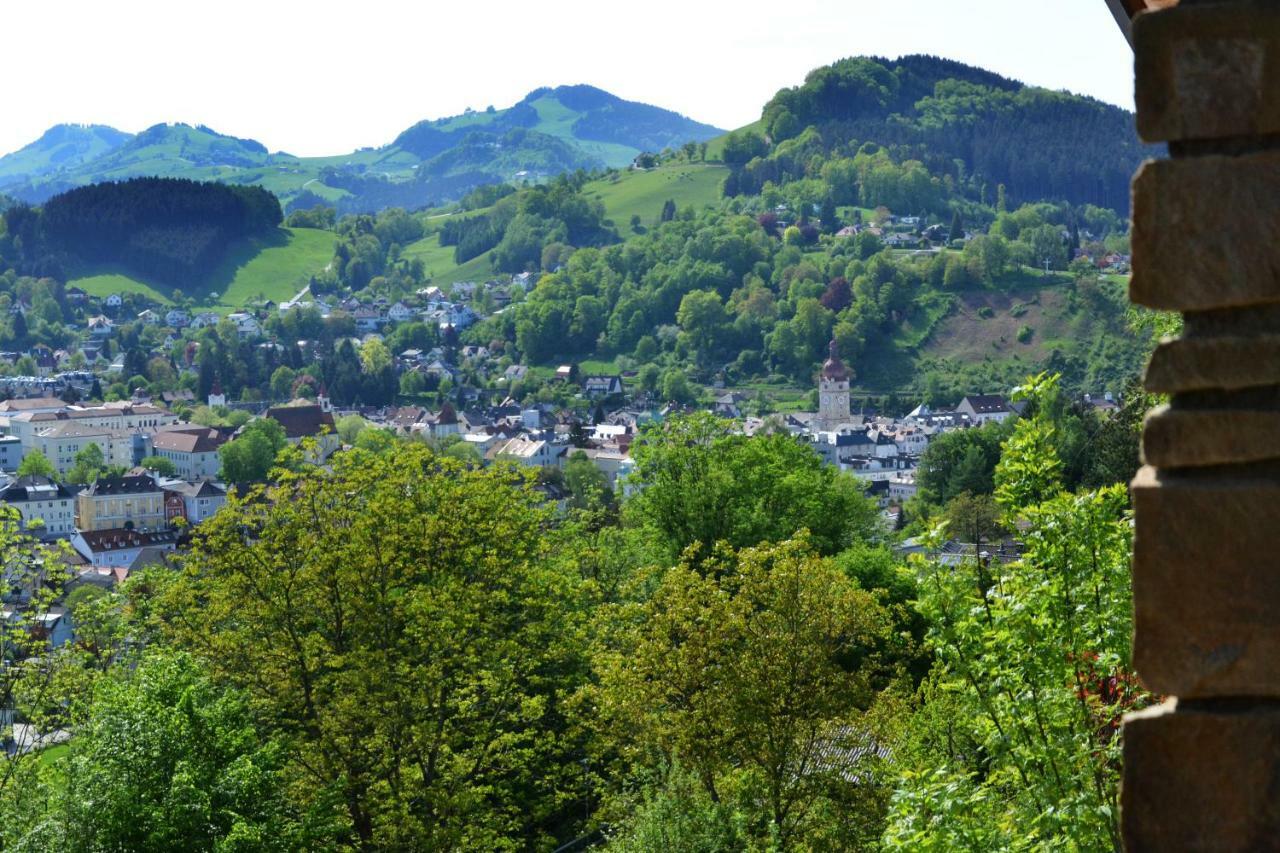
point(275, 269)
point(438, 261)
point(715, 147)
point(643, 193)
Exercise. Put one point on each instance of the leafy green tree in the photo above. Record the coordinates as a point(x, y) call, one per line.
point(701, 484)
point(36, 463)
point(960, 460)
point(349, 428)
point(587, 483)
point(1017, 740)
point(89, 465)
point(702, 319)
point(676, 387)
point(160, 465)
point(176, 763)
point(249, 456)
point(742, 670)
point(406, 624)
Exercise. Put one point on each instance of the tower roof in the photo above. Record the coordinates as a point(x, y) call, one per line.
point(833, 368)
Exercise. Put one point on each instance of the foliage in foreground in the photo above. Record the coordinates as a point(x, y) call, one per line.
point(1016, 745)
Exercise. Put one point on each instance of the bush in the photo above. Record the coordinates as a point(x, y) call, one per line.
point(1024, 334)
point(986, 313)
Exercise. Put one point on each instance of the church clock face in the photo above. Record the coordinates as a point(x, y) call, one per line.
point(826, 399)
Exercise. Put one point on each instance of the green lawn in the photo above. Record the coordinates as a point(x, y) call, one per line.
point(643, 193)
point(272, 269)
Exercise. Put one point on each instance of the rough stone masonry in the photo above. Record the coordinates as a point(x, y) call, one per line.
point(1202, 770)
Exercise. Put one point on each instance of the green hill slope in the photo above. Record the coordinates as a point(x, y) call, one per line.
point(262, 269)
point(642, 193)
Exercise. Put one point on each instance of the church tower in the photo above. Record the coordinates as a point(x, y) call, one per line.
point(216, 397)
point(833, 391)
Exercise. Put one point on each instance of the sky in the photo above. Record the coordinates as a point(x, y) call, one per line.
point(322, 77)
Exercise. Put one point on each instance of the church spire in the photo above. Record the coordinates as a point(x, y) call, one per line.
point(833, 368)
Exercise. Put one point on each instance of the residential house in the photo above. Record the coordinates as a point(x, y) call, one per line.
point(44, 505)
point(311, 420)
point(985, 408)
point(442, 423)
point(193, 450)
point(114, 300)
point(123, 547)
point(597, 387)
point(529, 452)
point(176, 318)
point(148, 317)
point(100, 326)
point(196, 502)
point(401, 313)
point(246, 324)
point(204, 319)
point(130, 502)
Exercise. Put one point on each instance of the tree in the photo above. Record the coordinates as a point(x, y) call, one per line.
point(160, 465)
point(349, 428)
point(89, 464)
point(176, 762)
point(249, 456)
point(1018, 733)
point(282, 380)
point(586, 483)
point(742, 670)
point(702, 319)
point(408, 623)
point(957, 227)
point(668, 211)
point(698, 483)
point(35, 463)
point(830, 219)
point(676, 387)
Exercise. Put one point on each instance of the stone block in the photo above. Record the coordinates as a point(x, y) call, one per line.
point(1174, 438)
point(1228, 362)
point(1201, 780)
point(1206, 584)
point(1208, 71)
point(1206, 232)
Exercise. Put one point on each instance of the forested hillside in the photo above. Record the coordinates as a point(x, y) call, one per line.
point(174, 230)
point(972, 127)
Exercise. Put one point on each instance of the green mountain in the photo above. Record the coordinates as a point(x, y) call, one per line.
point(549, 132)
point(62, 147)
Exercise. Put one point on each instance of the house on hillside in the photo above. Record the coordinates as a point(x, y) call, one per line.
point(246, 324)
point(598, 387)
point(314, 421)
point(985, 408)
point(192, 450)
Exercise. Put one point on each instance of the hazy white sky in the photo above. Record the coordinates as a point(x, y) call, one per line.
point(325, 77)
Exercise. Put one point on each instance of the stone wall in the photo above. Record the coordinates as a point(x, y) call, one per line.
point(1202, 771)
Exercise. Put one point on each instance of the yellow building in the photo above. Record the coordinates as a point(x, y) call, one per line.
point(133, 502)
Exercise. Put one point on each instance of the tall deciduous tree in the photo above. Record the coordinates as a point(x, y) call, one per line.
point(746, 675)
point(402, 622)
point(700, 484)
